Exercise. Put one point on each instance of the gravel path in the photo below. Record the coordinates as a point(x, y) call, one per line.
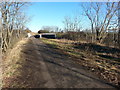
point(52, 69)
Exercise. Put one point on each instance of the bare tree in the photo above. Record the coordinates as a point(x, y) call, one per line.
point(119, 25)
point(10, 18)
point(72, 26)
point(66, 23)
point(100, 16)
point(50, 28)
point(91, 16)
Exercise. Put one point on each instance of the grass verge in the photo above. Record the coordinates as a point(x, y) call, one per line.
point(103, 61)
point(13, 63)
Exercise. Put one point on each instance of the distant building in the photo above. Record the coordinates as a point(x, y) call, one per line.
point(48, 35)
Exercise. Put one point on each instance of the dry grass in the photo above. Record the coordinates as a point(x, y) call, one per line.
point(103, 61)
point(12, 64)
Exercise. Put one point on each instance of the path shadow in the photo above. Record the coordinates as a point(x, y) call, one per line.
point(50, 51)
point(96, 48)
point(110, 57)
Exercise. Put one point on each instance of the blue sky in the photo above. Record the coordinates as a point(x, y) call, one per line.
point(51, 13)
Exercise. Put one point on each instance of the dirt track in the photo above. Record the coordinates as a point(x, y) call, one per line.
point(47, 68)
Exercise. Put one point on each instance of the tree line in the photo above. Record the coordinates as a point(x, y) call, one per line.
point(103, 18)
point(12, 21)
